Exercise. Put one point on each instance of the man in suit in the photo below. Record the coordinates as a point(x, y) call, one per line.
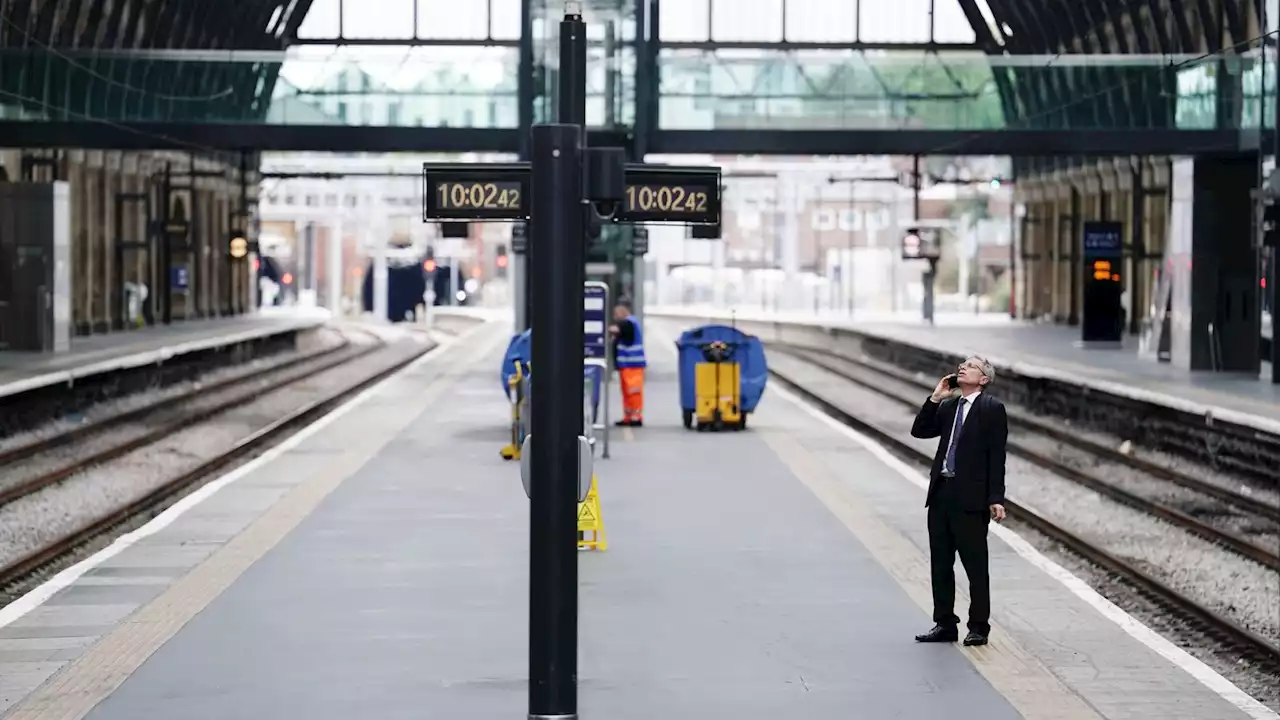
point(966, 491)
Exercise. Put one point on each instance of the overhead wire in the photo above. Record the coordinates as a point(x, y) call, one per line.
point(31, 39)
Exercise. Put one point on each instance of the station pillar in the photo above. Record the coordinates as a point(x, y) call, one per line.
point(1216, 294)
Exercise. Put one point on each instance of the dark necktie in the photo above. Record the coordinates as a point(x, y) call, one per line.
point(956, 428)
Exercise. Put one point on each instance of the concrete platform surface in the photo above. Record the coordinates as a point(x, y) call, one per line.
point(378, 568)
point(96, 354)
point(1045, 350)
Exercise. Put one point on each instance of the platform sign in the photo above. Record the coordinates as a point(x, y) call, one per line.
point(1103, 315)
point(500, 192)
point(519, 238)
point(1103, 239)
point(180, 278)
point(488, 191)
point(640, 242)
point(595, 320)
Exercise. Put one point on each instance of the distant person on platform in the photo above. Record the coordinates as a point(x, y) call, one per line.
point(628, 357)
point(966, 492)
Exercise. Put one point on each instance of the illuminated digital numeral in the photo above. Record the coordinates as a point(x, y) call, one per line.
point(665, 199)
point(478, 196)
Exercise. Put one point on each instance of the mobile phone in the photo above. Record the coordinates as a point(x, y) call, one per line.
point(953, 382)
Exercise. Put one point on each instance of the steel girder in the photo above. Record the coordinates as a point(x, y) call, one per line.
point(71, 60)
point(1093, 96)
point(369, 138)
point(1090, 97)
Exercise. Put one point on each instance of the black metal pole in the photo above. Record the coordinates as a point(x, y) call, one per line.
point(527, 94)
point(166, 248)
point(1273, 283)
point(555, 258)
point(572, 106)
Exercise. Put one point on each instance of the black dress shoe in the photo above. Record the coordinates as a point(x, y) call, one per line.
point(939, 633)
point(974, 638)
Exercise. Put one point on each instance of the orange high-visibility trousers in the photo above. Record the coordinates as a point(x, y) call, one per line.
point(632, 380)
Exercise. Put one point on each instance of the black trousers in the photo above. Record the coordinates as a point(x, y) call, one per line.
point(951, 531)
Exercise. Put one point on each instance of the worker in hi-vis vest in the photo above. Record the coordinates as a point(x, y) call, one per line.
point(628, 357)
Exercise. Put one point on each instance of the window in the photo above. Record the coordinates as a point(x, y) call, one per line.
point(824, 219)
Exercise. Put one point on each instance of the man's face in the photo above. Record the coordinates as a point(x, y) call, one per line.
point(619, 313)
point(969, 373)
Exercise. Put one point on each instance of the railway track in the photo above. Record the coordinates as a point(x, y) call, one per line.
point(1222, 629)
point(1227, 539)
point(1234, 498)
point(12, 491)
point(20, 570)
point(27, 450)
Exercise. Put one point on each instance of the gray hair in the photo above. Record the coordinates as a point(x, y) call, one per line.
point(986, 367)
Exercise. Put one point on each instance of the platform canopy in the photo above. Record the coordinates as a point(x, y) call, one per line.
point(79, 59)
point(770, 65)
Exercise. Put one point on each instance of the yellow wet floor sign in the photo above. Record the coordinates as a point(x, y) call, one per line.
point(591, 533)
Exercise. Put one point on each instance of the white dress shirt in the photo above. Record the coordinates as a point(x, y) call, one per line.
point(966, 404)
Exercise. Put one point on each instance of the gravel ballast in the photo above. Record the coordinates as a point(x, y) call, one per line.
point(34, 521)
point(1217, 578)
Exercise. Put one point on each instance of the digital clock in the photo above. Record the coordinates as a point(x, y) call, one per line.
point(463, 193)
point(655, 194)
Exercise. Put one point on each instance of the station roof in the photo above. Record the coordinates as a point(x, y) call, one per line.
point(60, 54)
point(68, 55)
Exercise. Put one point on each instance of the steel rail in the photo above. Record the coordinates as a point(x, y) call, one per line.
point(17, 571)
point(35, 447)
point(1250, 643)
point(1232, 541)
point(35, 484)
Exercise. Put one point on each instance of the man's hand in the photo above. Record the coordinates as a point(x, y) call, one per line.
point(613, 329)
point(942, 391)
point(997, 512)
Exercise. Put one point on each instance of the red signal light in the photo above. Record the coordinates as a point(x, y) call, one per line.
point(501, 261)
point(429, 266)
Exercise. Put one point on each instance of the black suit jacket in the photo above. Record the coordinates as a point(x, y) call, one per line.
point(980, 456)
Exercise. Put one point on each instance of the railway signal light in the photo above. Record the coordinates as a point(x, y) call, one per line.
point(500, 260)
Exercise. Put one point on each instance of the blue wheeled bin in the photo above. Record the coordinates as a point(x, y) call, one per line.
point(748, 352)
point(518, 350)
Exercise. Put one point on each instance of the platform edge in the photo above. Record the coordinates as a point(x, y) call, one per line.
point(1186, 662)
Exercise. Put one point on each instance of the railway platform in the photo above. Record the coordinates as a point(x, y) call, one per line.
point(377, 566)
point(1046, 351)
point(99, 355)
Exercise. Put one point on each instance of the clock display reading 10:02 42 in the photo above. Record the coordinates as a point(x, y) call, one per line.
point(478, 195)
point(674, 199)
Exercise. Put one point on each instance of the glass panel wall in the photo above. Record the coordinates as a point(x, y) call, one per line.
point(611, 62)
